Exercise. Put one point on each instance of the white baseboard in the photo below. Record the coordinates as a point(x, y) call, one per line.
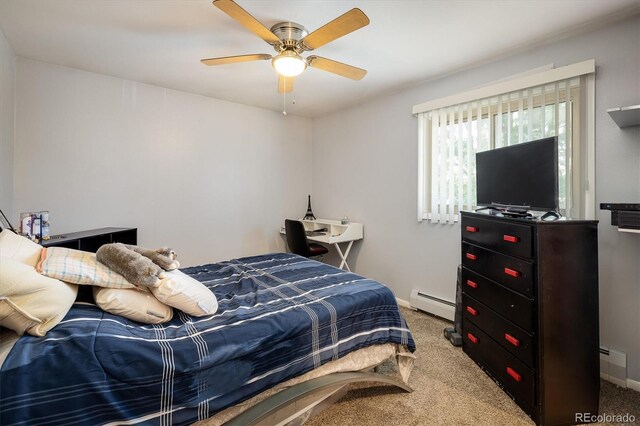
point(633, 384)
point(628, 383)
point(616, 381)
point(403, 303)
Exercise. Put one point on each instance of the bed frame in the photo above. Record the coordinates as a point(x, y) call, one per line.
point(291, 403)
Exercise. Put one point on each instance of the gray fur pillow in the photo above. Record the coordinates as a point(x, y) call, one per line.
point(136, 268)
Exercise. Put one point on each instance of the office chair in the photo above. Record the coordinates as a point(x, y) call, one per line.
point(297, 240)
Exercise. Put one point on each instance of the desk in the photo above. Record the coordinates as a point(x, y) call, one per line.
point(336, 234)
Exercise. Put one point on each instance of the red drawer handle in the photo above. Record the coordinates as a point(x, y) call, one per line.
point(472, 284)
point(510, 238)
point(473, 338)
point(472, 229)
point(513, 373)
point(472, 311)
point(511, 272)
point(512, 340)
point(471, 256)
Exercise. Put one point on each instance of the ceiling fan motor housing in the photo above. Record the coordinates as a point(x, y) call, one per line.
point(289, 33)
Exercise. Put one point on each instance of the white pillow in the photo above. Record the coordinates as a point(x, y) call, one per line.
point(19, 248)
point(137, 305)
point(30, 302)
point(79, 267)
point(179, 290)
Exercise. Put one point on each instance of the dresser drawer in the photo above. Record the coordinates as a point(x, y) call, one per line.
point(507, 334)
point(513, 376)
point(511, 305)
point(508, 238)
point(509, 271)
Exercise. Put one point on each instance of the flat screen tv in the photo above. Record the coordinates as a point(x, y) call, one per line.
point(519, 177)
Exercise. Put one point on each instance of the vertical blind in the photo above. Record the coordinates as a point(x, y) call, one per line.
point(454, 134)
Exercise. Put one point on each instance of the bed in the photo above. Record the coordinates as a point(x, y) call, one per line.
point(282, 318)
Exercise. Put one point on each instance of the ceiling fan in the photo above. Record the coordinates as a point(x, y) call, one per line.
point(289, 40)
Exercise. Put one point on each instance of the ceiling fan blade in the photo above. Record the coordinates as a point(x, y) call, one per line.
point(336, 67)
point(235, 59)
point(285, 84)
point(232, 9)
point(341, 26)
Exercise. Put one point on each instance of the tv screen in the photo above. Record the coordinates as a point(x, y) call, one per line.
point(522, 176)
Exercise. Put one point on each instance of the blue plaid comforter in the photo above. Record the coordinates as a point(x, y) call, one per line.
point(279, 316)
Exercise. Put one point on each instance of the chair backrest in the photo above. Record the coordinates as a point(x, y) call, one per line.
point(296, 237)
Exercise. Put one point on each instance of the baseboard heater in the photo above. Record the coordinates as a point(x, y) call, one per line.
point(433, 305)
point(613, 366)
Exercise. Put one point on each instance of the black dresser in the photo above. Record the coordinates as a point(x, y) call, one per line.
point(530, 311)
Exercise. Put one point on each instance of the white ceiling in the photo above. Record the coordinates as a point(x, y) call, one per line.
point(161, 42)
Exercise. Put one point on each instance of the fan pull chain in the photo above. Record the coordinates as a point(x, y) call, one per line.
point(284, 98)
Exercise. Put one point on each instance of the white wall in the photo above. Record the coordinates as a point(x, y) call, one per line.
point(365, 166)
point(215, 179)
point(7, 92)
point(212, 179)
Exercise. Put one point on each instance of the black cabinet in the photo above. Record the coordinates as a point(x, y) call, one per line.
point(92, 240)
point(530, 311)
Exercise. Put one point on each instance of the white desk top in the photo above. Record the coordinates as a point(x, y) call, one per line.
point(336, 231)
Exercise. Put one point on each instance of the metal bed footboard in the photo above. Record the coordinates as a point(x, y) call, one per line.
point(290, 403)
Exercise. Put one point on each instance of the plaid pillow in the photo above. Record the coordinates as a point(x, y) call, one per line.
point(78, 267)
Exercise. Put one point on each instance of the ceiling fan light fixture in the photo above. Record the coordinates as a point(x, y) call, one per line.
point(289, 64)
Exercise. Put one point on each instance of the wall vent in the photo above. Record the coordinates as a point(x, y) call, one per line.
point(433, 305)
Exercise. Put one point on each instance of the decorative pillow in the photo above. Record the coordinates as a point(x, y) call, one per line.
point(78, 267)
point(19, 248)
point(179, 290)
point(137, 305)
point(30, 302)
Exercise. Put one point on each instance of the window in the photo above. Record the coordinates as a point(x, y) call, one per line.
point(451, 135)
